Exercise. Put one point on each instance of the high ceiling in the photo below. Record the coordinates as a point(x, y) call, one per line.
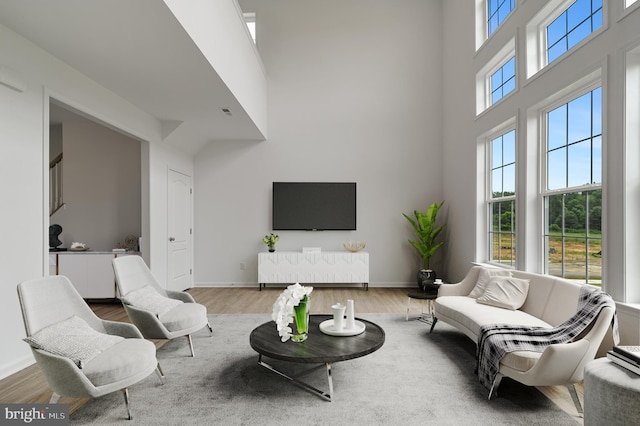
point(138, 50)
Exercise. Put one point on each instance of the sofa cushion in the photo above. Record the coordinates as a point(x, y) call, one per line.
point(148, 298)
point(121, 361)
point(483, 279)
point(505, 292)
point(184, 316)
point(73, 338)
point(472, 315)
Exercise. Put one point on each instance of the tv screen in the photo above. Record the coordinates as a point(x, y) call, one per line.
point(314, 206)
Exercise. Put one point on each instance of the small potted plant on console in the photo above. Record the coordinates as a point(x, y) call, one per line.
point(270, 240)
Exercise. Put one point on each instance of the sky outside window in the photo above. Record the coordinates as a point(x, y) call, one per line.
point(574, 142)
point(497, 12)
point(581, 19)
point(503, 81)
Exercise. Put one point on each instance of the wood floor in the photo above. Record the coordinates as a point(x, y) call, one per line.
point(29, 386)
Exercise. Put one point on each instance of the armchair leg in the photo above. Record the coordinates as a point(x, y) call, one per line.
point(576, 399)
point(433, 323)
point(210, 329)
point(125, 391)
point(190, 345)
point(160, 373)
point(495, 385)
point(54, 398)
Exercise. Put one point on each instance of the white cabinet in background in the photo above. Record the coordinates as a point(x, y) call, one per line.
point(315, 267)
point(90, 273)
point(53, 264)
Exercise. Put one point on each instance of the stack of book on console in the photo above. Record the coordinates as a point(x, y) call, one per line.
point(627, 357)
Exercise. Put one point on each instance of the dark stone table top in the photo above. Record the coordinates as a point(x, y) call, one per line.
point(319, 347)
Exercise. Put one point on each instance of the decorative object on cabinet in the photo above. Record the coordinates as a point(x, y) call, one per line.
point(354, 246)
point(270, 240)
point(131, 243)
point(54, 242)
point(76, 246)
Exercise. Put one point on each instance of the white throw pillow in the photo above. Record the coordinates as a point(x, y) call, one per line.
point(483, 279)
point(505, 292)
point(73, 338)
point(148, 298)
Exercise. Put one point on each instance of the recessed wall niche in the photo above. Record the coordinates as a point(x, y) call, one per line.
point(100, 181)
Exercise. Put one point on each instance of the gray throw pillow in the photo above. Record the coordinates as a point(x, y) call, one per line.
point(483, 279)
point(505, 292)
point(148, 298)
point(72, 338)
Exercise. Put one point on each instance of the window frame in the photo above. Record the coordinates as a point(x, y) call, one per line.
point(482, 24)
point(584, 86)
point(630, 292)
point(536, 35)
point(483, 77)
point(493, 89)
point(568, 31)
point(490, 201)
point(488, 16)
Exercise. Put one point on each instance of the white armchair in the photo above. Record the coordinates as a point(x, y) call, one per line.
point(158, 313)
point(77, 352)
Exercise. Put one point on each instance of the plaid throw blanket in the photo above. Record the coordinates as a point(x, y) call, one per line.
point(496, 340)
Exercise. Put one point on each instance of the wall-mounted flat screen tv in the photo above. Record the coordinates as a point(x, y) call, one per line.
point(314, 206)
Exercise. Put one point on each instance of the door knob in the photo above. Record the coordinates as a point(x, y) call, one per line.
point(171, 239)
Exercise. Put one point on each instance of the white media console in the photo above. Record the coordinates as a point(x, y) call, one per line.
point(289, 267)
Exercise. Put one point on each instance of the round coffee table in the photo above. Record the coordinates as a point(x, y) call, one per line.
point(319, 348)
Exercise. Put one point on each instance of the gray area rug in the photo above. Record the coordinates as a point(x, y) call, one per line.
point(416, 378)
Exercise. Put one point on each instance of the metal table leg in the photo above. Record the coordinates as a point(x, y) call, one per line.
point(322, 394)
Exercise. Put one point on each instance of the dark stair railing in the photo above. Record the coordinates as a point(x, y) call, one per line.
point(55, 185)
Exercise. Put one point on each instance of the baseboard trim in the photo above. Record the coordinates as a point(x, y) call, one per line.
point(354, 285)
point(17, 365)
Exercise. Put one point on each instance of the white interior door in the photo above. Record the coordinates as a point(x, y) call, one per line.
point(180, 232)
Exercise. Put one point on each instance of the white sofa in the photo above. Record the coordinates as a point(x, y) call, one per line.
point(549, 302)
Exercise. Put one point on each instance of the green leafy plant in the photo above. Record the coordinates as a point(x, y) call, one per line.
point(427, 232)
point(270, 240)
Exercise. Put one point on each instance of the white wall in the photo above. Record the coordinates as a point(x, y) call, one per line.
point(21, 177)
point(354, 94)
point(24, 146)
point(101, 184)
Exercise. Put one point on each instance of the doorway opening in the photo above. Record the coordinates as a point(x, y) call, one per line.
point(96, 187)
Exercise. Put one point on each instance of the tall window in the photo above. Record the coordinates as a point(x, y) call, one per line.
point(503, 81)
point(573, 194)
point(497, 77)
point(497, 12)
point(574, 24)
point(502, 199)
